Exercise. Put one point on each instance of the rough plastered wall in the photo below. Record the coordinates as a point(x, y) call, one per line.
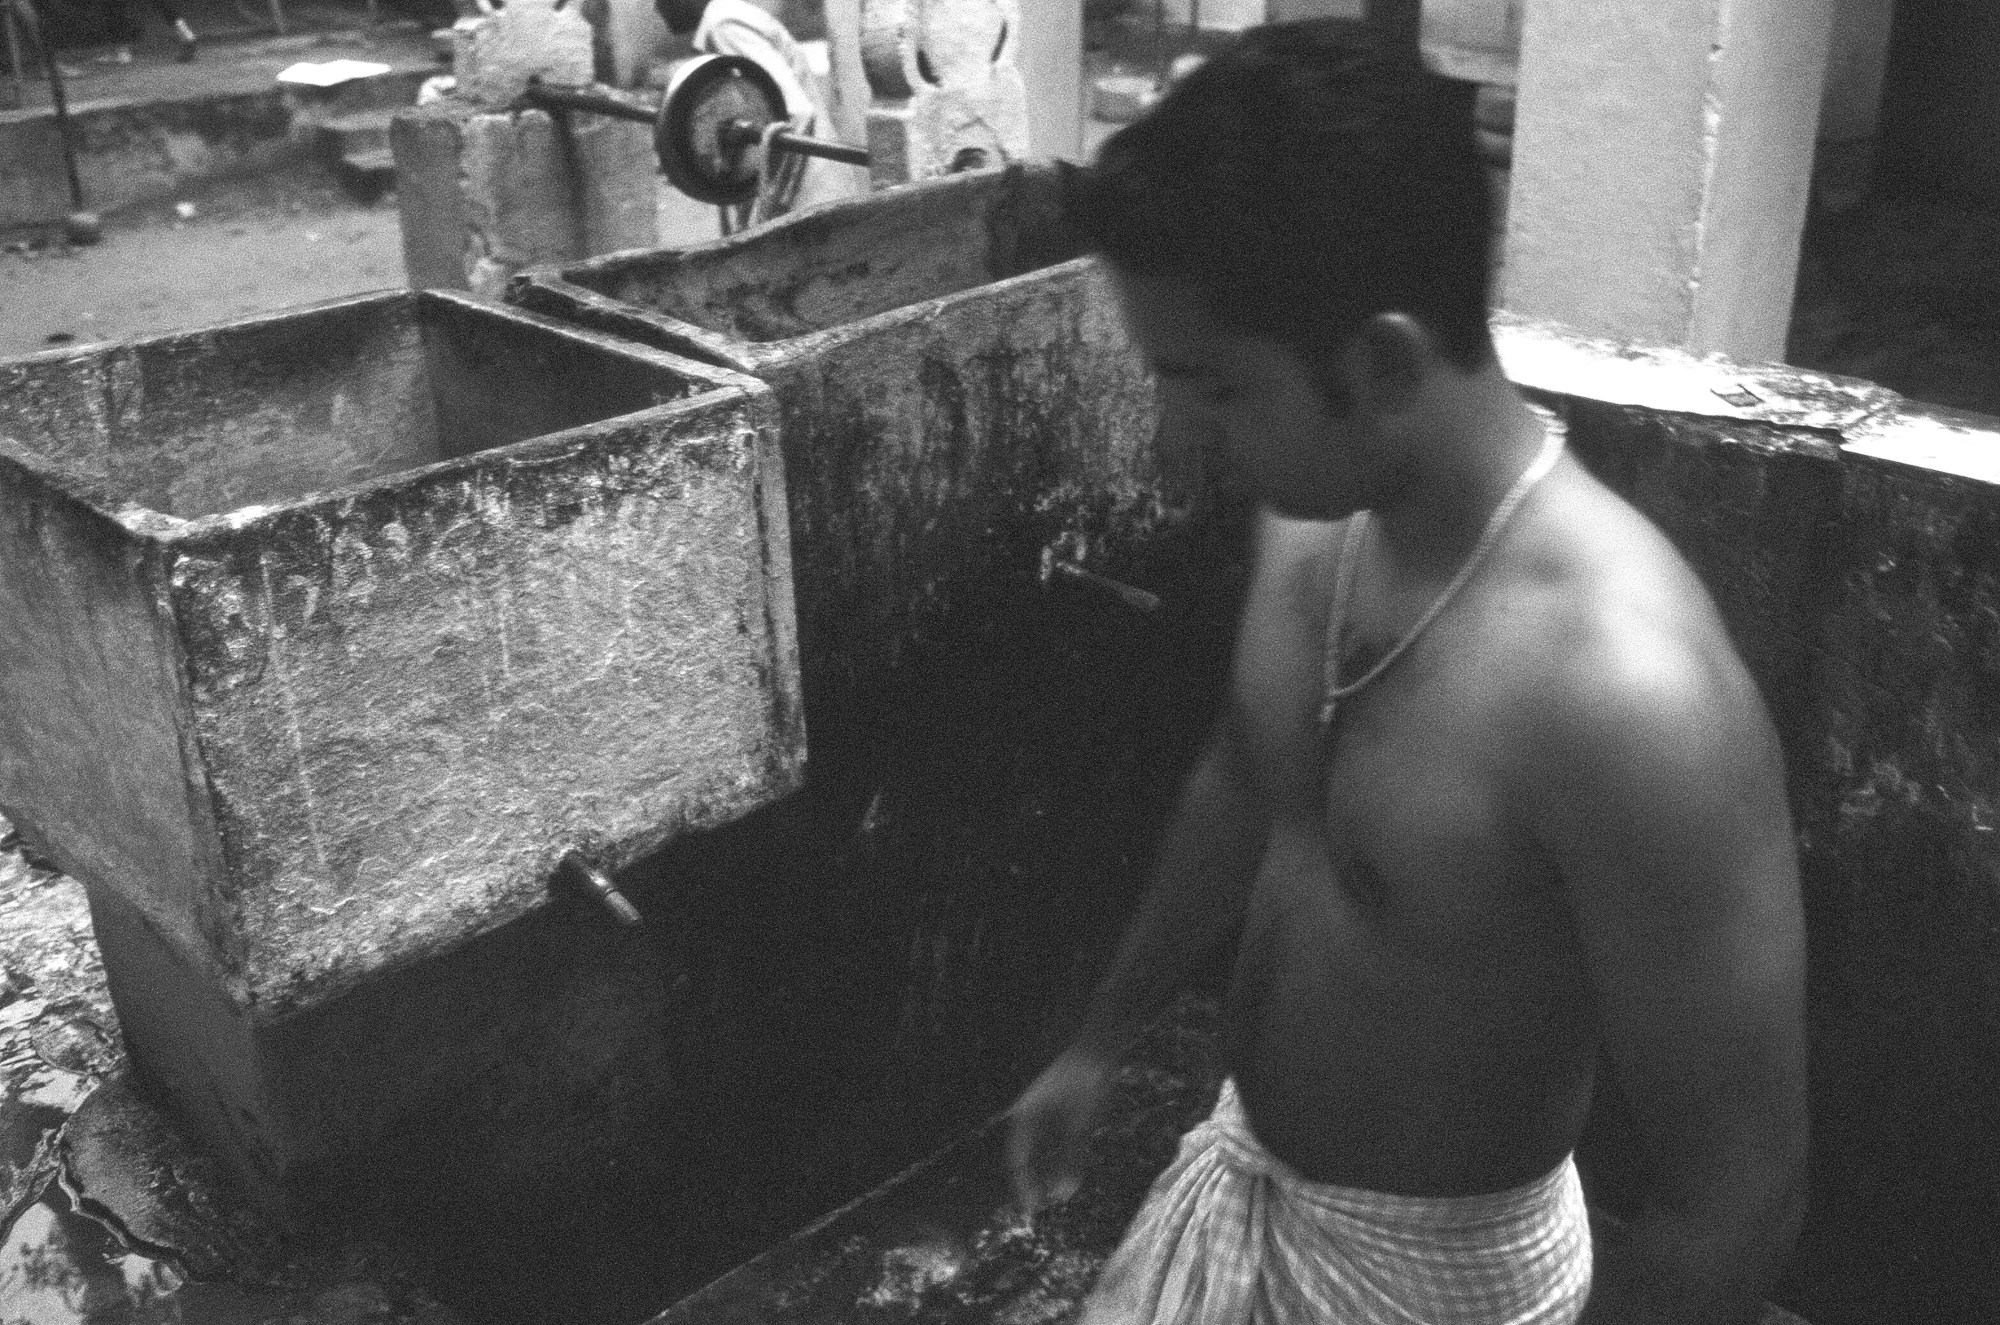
point(1852, 540)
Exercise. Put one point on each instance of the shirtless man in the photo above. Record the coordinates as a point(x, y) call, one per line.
point(1552, 825)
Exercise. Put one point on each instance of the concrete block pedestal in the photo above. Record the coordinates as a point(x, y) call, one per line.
point(330, 632)
point(484, 194)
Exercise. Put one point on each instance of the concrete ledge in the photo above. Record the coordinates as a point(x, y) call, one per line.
point(1851, 539)
point(135, 151)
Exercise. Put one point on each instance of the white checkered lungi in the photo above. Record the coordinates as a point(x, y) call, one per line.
point(1230, 1235)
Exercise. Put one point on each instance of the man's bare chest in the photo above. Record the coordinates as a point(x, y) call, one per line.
point(1405, 805)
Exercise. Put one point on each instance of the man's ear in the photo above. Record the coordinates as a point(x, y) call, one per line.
point(1389, 361)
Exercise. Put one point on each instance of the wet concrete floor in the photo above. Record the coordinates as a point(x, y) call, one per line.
point(68, 1257)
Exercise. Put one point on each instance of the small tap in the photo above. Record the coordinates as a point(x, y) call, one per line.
point(585, 878)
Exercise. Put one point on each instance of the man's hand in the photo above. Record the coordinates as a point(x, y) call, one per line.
point(1052, 1121)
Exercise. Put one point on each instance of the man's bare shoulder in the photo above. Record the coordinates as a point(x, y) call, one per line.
point(1622, 646)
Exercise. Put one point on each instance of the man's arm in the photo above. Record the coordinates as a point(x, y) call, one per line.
point(1196, 902)
point(1660, 793)
point(1200, 887)
point(1201, 879)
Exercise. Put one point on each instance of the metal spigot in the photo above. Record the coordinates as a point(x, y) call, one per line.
point(1103, 586)
point(590, 881)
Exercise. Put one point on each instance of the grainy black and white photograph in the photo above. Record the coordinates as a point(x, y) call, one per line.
point(999, 662)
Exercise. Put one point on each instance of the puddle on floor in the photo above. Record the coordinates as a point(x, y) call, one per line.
point(59, 1268)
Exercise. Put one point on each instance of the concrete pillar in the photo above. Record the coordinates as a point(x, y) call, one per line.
point(1229, 15)
point(1284, 11)
point(947, 91)
point(485, 188)
point(849, 102)
point(1478, 41)
point(1051, 62)
point(483, 194)
point(631, 36)
point(1851, 107)
point(1662, 156)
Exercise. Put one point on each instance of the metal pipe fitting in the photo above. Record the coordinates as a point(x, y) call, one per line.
point(1139, 600)
point(588, 880)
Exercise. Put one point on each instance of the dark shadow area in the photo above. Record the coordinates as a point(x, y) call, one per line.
point(1903, 289)
point(845, 982)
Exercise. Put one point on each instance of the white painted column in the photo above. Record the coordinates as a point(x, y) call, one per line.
point(1662, 154)
point(1477, 41)
point(947, 88)
point(1284, 11)
point(1859, 52)
point(1051, 63)
point(849, 106)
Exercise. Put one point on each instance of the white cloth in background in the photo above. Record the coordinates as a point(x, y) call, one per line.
point(1230, 1235)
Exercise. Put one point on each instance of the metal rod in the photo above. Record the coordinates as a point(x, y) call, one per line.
point(787, 141)
point(551, 96)
point(14, 54)
point(745, 133)
point(734, 135)
point(592, 882)
point(58, 97)
point(1130, 595)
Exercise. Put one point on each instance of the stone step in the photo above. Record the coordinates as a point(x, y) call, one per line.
point(360, 132)
point(367, 175)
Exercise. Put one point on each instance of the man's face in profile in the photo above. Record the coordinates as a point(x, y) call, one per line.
point(1280, 435)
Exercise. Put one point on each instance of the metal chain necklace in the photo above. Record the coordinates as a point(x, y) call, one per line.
point(1333, 692)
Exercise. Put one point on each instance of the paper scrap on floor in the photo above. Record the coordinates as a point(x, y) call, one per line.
point(329, 73)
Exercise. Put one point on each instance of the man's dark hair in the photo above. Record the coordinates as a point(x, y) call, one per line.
point(1306, 178)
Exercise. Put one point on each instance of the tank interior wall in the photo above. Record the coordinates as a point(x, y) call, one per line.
point(835, 266)
point(253, 413)
point(270, 409)
point(1863, 587)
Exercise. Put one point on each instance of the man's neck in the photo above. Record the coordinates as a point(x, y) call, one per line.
point(1468, 446)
